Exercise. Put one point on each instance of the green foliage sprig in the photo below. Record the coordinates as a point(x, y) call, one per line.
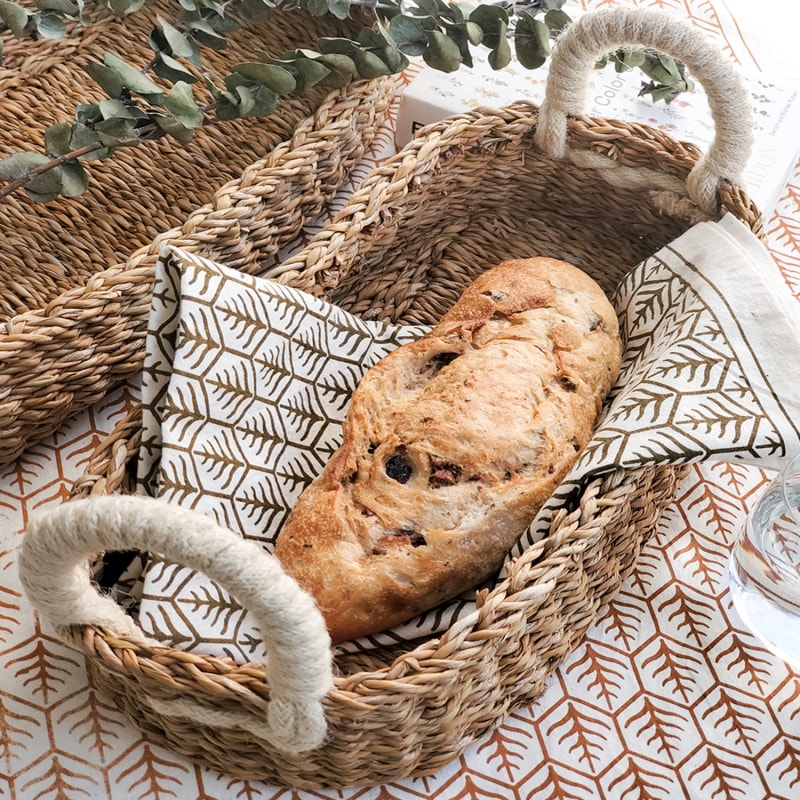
point(138, 108)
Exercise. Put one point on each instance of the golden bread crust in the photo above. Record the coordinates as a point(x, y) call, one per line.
point(451, 446)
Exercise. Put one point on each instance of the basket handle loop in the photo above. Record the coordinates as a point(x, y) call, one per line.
point(60, 541)
point(597, 33)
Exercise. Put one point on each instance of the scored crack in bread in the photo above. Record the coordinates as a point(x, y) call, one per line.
point(451, 446)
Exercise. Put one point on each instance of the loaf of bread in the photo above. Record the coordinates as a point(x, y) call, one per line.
point(451, 446)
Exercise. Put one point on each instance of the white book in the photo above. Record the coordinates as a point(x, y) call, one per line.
point(431, 96)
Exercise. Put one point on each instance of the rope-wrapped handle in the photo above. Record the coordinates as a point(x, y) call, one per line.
point(596, 34)
point(53, 568)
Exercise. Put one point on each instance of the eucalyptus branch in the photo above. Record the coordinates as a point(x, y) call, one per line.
point(46, 166)
point(138, 108)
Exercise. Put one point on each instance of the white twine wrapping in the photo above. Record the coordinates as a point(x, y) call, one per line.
point(59, 543)
point(593, 35)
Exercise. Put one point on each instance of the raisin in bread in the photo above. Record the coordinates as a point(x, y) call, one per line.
point(451, 446)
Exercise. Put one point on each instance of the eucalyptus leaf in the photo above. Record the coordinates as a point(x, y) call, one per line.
point(125, 6)
point(462, 33)
point(117, 132)
point(316, 7)
point(57, 139)
point(84, 136)
point(659, 92)
point(181, 104)
point(106, 78)
point(628, 58)
point(450, 12)
point(336, 45)
point(215, 17)
point(253, 10)
point(116, 108)
point(173, 127)
point(177, 40)
point(473, 32)
point(557, 21)
point(662, 67)
point(171, 69)
point(46, 183)
point(500, 55)
point(542, 34)
point(212, 87)
point(74, 179)
point(227, 109)
point(88, 113)
point(272, 76)
point(206, 35)
point(41, 198)
point(15, 16)
point(387, 10)
point(369, 64)
point(17, 165)
point(131, 78)
point(67, 7)
point(489, 18)
point(528, 39)
point(430, 7)
point(340, 63)
point(404, 28)
point(341, 70)
point(393, 58)
point(442, 52)
point(339, 8)
point(660, 74)
point(410, 33)
point(370, 39)
point(256, 101)
point(234, 80)
point(308, 72)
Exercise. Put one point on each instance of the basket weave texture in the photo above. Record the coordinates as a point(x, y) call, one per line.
point(463, 195)
point(76, 274)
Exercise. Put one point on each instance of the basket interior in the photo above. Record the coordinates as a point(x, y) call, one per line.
point(498, 199)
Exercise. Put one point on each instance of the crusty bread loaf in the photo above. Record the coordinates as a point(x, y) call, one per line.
point(451, 446)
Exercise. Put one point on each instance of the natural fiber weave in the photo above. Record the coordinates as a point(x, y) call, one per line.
point(75, 274)
point(394, 713)
point(463, 195)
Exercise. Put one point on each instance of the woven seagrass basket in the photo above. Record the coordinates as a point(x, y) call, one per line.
point(464, 194)
point(76, 274)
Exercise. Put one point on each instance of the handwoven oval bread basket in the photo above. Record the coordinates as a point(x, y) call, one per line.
point(463, 195)
point(76, 274)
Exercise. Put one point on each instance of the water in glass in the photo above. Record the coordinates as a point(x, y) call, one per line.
point(765, 567)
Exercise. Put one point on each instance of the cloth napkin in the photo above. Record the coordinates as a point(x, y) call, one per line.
point(247, 382)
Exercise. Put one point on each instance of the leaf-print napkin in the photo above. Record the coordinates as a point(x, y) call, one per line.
point(247, 381)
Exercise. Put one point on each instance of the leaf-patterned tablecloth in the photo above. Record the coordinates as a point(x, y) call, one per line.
point(247, 383)
point(668, 697)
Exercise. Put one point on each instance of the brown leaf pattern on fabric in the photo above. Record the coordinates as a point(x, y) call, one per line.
point(719, 721)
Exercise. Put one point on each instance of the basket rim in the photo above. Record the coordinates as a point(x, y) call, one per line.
point(482, 132)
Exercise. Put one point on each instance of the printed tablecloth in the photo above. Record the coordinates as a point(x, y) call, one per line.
point(668, 697)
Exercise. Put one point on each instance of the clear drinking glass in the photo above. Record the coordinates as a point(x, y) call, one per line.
point(765, 566)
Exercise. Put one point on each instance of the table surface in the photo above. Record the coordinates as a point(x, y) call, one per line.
point(667, 697)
